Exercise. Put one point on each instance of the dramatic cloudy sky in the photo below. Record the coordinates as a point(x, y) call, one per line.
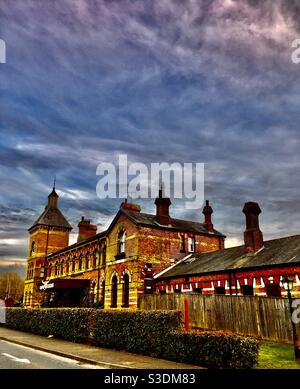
point(187, 81)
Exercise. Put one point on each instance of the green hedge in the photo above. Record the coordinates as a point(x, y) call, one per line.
point(155, 333)
point(135, 331)
point(159, 334)
point(211, 349)
point(65, 323)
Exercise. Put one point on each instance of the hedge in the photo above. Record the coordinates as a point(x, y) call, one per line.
point(135, 331)
point(65, 323)
point(155, 333)
point(211, 349)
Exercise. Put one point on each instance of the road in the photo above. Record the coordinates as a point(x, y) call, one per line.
point(14, 356)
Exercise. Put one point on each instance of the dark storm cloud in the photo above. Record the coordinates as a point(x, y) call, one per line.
point(204, 81)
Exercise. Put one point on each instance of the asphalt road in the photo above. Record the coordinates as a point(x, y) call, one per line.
point(14, 356)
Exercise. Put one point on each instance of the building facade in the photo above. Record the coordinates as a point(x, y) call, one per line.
point(256, 268)
point(113, 267)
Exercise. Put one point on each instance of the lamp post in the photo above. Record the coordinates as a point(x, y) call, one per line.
point(288, 286)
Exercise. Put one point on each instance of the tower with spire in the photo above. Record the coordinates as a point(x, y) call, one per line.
point(49, 233)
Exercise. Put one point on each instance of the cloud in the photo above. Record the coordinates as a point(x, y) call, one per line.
point(194, 81)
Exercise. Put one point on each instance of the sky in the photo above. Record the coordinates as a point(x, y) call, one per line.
point(160, 81)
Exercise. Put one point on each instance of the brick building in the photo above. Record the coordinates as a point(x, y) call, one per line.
point(115, 266)
point(256, 268)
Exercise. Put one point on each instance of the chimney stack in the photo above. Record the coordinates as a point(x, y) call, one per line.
point(207, 212)
point(253, 237)
point(86, 229)
point(130, 206)
point(162, 209)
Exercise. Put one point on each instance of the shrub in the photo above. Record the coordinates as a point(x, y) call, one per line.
point(155, 333)
point(211, 349)
point(65, 323)
point(136, 331)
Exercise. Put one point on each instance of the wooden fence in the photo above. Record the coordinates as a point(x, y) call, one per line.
point(262, 317)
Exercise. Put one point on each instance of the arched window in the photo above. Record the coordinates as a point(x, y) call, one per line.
point(56, 268)
point(62, 264)
point(96, 255)
point(74, 264)
point(104, 255)
point(121, 242)
point(68, 266)
point(114, 292)
point(88, 261)
point(125, 291)
point(80, 263)
point(32, 249)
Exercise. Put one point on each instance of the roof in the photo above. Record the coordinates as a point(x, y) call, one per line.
point(149, 220)
point(78, 244)
point(275, 252)
point(52, 217)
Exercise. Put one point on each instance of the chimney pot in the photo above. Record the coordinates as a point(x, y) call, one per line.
point(253, 236)
point(162, 209)
point(86, 229)
point(207, 212)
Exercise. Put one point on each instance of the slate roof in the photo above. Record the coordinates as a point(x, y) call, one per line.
point(275, 252)
point(176, 224)
point(52, 217)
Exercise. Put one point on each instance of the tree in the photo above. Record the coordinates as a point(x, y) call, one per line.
point(11, 285)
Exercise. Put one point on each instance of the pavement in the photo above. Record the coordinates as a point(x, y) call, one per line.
point(24, 350)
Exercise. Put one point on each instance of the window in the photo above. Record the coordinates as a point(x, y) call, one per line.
point(104, 256)
point(95, 256)
point(80, 263)
point(62, 264)
point(220, 290)
point(68, 266)
point(56, 269)
point(74, 265)
point(273, 290)
point(121, 245)
point(32, 249)
point(125, 291)
point(247, 290)
point(182, 244)
point(191, 243)
point(114, 292)
point(198, 290)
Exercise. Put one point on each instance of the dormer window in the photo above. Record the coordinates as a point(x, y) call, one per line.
point(191, 244)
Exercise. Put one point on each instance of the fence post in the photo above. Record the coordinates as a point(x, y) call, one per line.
point(186, 315)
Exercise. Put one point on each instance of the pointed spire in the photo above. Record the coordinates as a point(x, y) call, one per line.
point(53, 196)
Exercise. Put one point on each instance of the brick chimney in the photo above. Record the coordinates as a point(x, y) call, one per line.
point(162, 209)
point(130, 206)
point(253, 237)
point(86, 229)
point(207, 212)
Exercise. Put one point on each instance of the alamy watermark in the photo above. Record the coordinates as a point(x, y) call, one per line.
point(2, 51)
point(295, 57)
point(296, 311)
point(139, 181)
point(2, 312)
